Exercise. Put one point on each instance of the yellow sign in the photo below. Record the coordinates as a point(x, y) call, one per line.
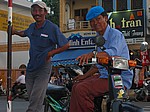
point(20, 22)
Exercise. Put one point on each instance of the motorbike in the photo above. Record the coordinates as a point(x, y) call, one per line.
point(19, 91)
point(143, 93)
point(117, 101)
point(58, 97)
point(2, 90)
point(116, 97)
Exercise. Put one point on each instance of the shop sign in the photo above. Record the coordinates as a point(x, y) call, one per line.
point(78, 41)
point(130, 23)
point(20, 22)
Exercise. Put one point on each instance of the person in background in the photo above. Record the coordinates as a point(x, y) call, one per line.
point(53, 78)
point(46, 40)
point(94, 82)
point(19, 83)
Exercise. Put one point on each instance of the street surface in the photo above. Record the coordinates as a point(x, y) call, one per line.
point(144, 105)
point(20, 105)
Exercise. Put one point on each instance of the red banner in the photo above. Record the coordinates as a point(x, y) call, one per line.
point(145, 58)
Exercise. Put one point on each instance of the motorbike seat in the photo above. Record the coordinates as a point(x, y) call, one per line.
point(55, 88)
point(56, 91)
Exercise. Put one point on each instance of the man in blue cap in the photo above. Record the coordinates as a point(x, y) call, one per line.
point(94, 82)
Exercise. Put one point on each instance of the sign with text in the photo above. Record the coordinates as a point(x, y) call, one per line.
point(20, 22)
point(78, 41)
point(130, 23)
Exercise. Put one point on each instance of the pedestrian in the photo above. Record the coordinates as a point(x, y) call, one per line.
point(46, 40)
point(94, 82)
point(19, 83)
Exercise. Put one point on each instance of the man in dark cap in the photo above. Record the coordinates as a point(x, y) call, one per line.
point(94, 82)
point(44, 36)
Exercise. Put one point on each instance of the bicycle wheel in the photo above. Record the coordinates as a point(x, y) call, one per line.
point(51, 105)
point(141, 95)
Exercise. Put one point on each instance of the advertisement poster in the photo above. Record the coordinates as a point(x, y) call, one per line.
point(130, 23)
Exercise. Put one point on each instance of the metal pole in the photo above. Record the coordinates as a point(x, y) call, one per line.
point(9, 56)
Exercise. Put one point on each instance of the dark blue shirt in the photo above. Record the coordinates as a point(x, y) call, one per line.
point(43, 40)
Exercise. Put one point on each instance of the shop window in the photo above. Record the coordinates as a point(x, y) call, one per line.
point(108, 5)
point(121, 5)
point(80, 14)
point(136, 4)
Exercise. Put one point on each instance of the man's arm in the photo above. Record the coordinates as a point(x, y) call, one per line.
point(89, 73)
point(58, 50)
point(85, 57)
point(19, 33)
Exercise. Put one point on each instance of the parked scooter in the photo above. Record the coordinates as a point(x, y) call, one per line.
point(2, 90)
point(116, 97)
point(19, 92)
point(143, 94)
point(58, 97)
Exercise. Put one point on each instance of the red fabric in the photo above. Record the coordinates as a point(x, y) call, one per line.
point(145, 58)
point(83, 93)
point(140, 83)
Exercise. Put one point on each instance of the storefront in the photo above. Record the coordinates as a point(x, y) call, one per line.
point(79, 44)
point(130, 23)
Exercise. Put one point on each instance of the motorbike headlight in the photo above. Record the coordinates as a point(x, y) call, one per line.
point(120, 63)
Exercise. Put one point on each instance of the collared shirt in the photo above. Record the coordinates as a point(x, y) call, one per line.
point(115, 45)
point(43, 40)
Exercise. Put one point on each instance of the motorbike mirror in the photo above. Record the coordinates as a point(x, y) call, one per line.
point(99, 41)
point(144, 46)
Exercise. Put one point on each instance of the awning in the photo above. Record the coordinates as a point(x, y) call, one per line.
point(68, 57)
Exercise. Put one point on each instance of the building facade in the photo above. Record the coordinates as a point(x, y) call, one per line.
point(21, 18)
point(72, 22)
point(73, 12)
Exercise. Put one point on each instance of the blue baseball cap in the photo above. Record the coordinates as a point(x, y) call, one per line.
point(94, 12)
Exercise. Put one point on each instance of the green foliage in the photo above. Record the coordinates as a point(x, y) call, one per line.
point(54, 10)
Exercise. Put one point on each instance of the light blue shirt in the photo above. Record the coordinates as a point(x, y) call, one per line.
point(115, 45)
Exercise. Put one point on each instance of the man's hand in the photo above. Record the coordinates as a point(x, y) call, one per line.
point(84, 58)
point(102, 57)
point(49, 56)
point(13, 30)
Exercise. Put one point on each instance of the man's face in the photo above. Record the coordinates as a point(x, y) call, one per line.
point(99, 24)
point(38, 13)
